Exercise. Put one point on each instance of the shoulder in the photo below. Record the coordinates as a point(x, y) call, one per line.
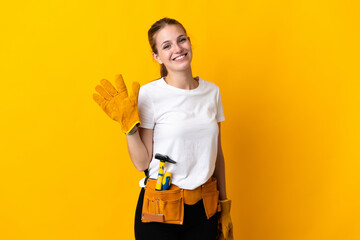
point(209, 85)
point(150, 86)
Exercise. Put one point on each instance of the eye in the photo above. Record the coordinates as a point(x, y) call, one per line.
point(181, 40)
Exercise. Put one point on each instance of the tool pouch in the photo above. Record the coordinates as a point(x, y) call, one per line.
point(210, 196)
point(165, 206)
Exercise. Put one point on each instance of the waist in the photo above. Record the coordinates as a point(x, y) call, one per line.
point(190, 196)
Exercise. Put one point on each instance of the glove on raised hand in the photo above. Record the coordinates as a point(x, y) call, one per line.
point(225, 224)
point(117, 104)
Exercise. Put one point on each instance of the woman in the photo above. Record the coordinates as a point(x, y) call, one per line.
point(178, 117)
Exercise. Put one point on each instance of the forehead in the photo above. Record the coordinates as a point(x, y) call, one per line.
point(169, 32)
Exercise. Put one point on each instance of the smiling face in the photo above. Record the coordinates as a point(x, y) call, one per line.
point(174, 48)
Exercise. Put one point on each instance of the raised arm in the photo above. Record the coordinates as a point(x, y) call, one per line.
point(140, 147)
point(121, 107)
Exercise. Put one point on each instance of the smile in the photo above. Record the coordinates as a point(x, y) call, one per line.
point(180, 57)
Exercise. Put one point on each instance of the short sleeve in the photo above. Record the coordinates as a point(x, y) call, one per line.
point(220, 112)
point(146, 110)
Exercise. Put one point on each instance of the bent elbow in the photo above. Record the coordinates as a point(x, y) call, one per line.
point(141, 164)
point(141, 168)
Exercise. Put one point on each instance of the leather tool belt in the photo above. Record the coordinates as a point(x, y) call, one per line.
point(167, 206)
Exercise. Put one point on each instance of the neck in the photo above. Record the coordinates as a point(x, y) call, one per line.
point(183, 80)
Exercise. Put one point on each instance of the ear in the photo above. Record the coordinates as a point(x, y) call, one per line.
point(156, 57)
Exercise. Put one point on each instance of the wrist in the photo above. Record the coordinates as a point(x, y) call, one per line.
point(133, 131)
point(222, 195)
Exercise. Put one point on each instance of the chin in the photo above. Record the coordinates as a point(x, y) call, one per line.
point(182, 68)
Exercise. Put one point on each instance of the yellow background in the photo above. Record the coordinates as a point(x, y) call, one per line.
point(288, 72)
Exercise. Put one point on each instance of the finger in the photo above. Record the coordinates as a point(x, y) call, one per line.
point(98, 99)
point(135, 91)
point(109, 87)
point(103, 92)
point(120, 85)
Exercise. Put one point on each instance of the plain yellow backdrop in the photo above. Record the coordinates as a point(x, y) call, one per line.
point(288, 72)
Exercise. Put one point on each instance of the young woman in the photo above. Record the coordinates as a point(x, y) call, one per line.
point(177, 116)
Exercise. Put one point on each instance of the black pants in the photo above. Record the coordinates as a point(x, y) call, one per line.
point(196, 225)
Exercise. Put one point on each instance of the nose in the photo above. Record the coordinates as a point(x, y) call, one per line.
point(178, 48)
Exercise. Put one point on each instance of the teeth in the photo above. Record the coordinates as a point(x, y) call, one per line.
point(180, 57)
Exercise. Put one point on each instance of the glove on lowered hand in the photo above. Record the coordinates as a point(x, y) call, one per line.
point(117, 104)
point(225, 224)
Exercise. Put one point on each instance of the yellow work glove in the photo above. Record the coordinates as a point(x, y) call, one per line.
point(117, 104)
point(225, 224)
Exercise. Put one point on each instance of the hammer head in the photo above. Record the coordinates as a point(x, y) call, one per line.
point(164, 158)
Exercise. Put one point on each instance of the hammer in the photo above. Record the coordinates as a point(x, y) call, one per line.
point(163, 159)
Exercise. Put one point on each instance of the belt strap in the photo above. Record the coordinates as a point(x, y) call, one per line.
point(147, 176)
point(190, 196)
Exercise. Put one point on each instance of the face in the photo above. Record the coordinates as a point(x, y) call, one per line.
point(172, 42)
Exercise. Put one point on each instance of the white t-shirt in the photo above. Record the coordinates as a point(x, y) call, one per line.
point(185, 124)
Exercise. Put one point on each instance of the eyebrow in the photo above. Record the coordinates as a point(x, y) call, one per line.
point(169, 40)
